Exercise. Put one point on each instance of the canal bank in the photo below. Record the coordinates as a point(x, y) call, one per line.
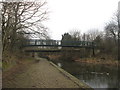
point(42, 74)
point(94, 75)
point(71, 77)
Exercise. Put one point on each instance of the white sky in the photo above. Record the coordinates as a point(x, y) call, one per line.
point(83, 15)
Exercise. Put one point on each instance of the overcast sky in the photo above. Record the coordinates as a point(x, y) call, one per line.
point(83, 15)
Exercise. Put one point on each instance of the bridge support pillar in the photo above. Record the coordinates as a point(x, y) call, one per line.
point(93, 49)
point(32, 54)
point(36, 55)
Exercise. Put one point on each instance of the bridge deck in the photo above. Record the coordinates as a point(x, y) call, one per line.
point(55, 45)
point(58, 43)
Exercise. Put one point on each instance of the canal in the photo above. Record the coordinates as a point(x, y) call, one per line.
point(96, 76)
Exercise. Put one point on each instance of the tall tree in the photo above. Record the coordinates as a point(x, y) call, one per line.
point(22, 18)
point(112, 36)
point(75, 34)
point(92, 34)
point(111, 31)
point(66, 39)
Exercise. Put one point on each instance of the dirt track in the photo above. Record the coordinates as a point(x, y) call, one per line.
point(39, 75)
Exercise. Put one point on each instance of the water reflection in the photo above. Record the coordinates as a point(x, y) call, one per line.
point(96, 76)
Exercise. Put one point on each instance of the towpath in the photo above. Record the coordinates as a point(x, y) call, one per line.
point(41, 74)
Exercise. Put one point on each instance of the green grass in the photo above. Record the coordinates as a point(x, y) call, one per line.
point(7, 66)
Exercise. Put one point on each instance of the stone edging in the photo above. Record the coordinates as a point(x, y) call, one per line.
point(71, 77)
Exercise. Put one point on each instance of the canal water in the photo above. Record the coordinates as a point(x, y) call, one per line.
point(96, 76)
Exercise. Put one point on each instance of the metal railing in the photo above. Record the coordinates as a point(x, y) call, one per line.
point(57, 43)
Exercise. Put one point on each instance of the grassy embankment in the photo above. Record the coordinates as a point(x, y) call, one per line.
point(16, 63)
point(13, 60)
point(92, 60)
point(108, 62)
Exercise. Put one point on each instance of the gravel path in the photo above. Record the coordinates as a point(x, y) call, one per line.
point(40, 75)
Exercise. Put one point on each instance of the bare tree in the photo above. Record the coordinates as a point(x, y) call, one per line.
point(85, 37)
point(111, 38)
point(112, 31)
point(76, 35)
point(22, 18)
point(92, 34)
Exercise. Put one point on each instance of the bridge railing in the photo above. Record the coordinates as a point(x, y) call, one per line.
point(76, 43)
point(45, 42)
point(34, 42)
